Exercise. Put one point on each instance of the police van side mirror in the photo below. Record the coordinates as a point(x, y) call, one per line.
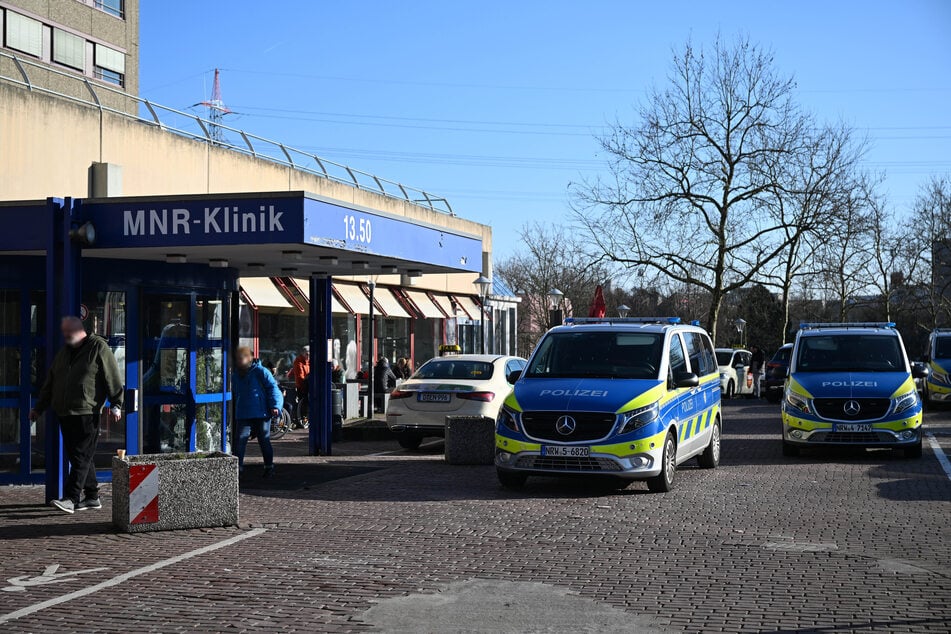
point(513, 376)
point(687, 379)
point(920, 370)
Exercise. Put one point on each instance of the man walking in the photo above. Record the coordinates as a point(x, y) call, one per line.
point(84, 375)
point(301, 372)
point(757, 365)
point(257, 400)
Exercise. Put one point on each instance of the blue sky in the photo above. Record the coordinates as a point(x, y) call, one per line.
point(494, 104)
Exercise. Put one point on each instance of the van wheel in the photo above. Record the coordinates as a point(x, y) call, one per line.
point(664, 481)
point(790, 450)
point(730, 390)
point(912, 452)
point(710, 457)
point(512, 480)
point(409, 441)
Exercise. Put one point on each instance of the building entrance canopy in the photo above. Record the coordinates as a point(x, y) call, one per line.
point(158, 278)
point(281, 233)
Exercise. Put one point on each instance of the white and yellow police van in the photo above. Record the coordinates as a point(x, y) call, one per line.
point(851, 384)
point(631, 398)
point(937, 387)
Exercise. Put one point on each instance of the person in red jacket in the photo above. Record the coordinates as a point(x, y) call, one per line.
point(300, 372)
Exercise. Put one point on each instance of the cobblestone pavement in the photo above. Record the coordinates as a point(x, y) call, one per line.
point(830, 542)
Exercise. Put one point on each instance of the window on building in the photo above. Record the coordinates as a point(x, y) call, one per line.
point(112, 7)
point(24, 34)
point(69, 50)
point(110, 65)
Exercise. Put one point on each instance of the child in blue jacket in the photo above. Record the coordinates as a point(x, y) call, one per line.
point(257, 399)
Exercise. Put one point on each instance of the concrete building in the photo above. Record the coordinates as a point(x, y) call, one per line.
point(95, 41)
point(74, 141)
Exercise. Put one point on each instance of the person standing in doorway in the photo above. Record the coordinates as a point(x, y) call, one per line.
point(301, 373)
point(83, 376)
point(757, 365)
point(257, 400)
point(384, 382)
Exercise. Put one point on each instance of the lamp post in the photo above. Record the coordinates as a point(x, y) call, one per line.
point(484, 285)
point(740, 324)
point(555, 315)
point(623, 310)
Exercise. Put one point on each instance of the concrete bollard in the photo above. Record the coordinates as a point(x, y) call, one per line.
point(470, 440)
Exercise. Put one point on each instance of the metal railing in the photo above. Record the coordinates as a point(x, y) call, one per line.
point(215, 133)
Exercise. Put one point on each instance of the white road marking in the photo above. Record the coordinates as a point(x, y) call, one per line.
point(50, 575)
point(109, 583)
point(939, 454)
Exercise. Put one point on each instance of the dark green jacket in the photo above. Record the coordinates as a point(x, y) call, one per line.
point(80, 380)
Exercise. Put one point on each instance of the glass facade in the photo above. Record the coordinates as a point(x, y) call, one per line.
point(105, 315)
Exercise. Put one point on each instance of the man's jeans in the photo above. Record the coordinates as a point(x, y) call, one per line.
point(262, 428)
point(757, 382)
point(80, 435)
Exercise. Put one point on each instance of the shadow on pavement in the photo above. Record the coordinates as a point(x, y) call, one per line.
point(42, 521)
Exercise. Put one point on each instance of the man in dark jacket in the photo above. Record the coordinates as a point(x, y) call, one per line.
point(84, 375)
point(757, 365)
point(384, 382)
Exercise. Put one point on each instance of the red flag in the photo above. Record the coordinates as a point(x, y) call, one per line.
point(598, 307)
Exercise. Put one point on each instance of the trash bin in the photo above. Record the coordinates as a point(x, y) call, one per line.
point(470, 440)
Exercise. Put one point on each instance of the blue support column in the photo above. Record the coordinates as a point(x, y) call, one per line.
point(321, 414)
point(63, 274)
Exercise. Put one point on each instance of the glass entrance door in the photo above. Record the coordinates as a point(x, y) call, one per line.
point(184, 382)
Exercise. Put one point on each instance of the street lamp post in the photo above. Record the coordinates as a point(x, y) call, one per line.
point(555, 315)
point(485, 286)
point(623, 310)
point(740, 324)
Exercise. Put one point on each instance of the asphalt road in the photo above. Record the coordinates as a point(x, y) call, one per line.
point(378, 538)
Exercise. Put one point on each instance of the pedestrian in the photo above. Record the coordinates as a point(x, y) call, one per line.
point(384, 381)
point(257, 400)
point(300, 372)
point(403, 370)
point(757, 365)
point(83, 377)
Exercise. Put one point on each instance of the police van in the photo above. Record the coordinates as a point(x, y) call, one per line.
point(851, 384)
point(632, 398)
point(937, 387)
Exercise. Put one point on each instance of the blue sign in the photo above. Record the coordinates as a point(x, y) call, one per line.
point(279, 220)
point(183, 223)
point(337, 227)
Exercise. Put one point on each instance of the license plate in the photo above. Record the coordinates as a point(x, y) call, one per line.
point(566, 452)
point(852, 428)
point(430, 397)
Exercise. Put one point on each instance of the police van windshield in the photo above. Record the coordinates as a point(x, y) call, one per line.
point(603, 355)
point(942, 348)
point(849, 353)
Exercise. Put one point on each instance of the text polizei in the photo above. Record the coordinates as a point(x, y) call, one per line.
point(214, 220)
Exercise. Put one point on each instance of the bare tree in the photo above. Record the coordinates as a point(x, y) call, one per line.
point(552, 257)
point(929, 241)
point(690, 183)
point(815, 183)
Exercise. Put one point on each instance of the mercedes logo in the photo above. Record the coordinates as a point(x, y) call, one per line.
point(565, 425)
point(851, 408)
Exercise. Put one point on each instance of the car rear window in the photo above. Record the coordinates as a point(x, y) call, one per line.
point(782, 355)
point(449, 368)
point(598, 354)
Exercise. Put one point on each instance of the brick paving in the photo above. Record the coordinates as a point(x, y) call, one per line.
point(829, 542)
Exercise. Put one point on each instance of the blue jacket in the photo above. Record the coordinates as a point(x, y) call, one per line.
point(255, 393)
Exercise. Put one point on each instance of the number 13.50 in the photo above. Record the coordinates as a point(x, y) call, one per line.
point(357, 229)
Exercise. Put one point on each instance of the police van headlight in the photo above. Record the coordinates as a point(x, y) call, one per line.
point(797, 402)
point(507, 419)
point(906, 401)
point(637, 418)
